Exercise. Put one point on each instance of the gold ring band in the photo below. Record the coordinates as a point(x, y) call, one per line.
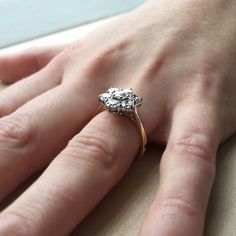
point(138, 124)
point(125, 102)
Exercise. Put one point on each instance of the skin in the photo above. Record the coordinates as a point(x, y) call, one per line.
point(179, 57)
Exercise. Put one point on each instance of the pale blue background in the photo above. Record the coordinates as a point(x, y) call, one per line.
point(21, 20)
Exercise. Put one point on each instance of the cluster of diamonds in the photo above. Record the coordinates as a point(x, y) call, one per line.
point(120, 101)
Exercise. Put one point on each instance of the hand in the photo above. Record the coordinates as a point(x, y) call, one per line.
point(179, 57)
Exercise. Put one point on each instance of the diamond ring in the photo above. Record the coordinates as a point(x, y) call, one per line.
point(125, 102)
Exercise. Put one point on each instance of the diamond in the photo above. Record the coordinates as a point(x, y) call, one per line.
point(119, 100)
point(119, 94)
point(128, 104)
point(113, 102)
point(111, 90)
point(105, 96)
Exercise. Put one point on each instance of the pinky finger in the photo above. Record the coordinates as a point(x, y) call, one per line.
point(187, 174)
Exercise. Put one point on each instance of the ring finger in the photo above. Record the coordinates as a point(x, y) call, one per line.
point(76, 180)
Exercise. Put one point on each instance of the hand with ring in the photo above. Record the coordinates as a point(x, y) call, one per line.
point(164, 73)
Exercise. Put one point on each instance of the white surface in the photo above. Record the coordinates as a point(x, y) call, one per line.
point(63, 37)
point(28, 19)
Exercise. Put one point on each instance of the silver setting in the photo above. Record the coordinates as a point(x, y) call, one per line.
point(120, 101)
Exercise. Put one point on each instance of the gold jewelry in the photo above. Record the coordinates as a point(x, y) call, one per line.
point(125, 102)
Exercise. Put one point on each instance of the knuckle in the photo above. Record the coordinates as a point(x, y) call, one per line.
point(32, 53)
point(197, 150)
point(64, 57)
point(56, 193)
point(58, 63)
point(181, 205)
point(3, 110)
point(38, 58)
point(94, 149)
point(17, 131)
point(197, 145)
point(104, 60)
point(6, 107)
point(14, 223)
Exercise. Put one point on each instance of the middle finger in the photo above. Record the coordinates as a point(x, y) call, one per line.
point(31, 136)
point(76, 180)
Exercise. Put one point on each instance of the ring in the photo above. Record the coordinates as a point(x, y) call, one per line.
point(124, 102)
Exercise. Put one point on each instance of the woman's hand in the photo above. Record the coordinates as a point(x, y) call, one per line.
point(180, 56)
